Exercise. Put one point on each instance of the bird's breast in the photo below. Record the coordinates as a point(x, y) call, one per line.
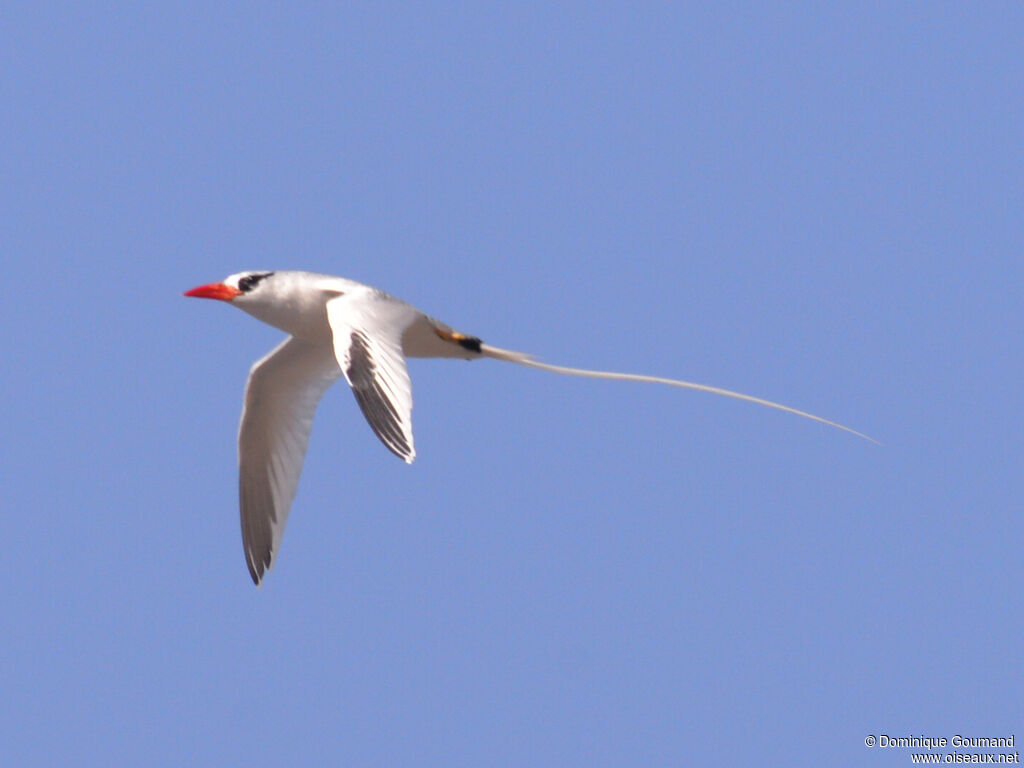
point(299, 316)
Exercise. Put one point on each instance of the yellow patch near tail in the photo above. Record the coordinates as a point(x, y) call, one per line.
point(472, 343)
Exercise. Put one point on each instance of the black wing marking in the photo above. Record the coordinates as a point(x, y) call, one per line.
point(375, 396)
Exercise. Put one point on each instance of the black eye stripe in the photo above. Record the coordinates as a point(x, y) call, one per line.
point(249, 282)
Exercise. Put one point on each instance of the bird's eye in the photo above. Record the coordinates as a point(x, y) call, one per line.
point(249, 282)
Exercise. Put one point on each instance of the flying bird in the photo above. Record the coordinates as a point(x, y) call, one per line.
point(338, 327)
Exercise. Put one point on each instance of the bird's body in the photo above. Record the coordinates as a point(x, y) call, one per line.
point(338, 327)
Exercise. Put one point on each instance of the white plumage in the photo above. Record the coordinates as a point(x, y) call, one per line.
point(336, 328)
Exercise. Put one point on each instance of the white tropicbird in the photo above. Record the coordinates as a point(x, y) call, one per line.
point(339, 327)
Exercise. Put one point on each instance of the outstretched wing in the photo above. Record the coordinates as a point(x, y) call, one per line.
point(281, 397)
point(367, 326)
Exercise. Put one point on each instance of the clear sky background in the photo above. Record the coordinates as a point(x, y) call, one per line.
point(818, 204)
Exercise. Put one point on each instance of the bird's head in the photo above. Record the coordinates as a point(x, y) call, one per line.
point(237, 286)
point(289, 300)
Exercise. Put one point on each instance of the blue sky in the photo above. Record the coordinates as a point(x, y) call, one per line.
point(816, 205)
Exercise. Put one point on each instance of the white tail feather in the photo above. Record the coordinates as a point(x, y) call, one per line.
point(521, 358)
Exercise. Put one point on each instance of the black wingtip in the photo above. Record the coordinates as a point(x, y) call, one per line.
point(258, 567)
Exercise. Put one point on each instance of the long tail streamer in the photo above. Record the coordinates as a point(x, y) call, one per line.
point(527, 360)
